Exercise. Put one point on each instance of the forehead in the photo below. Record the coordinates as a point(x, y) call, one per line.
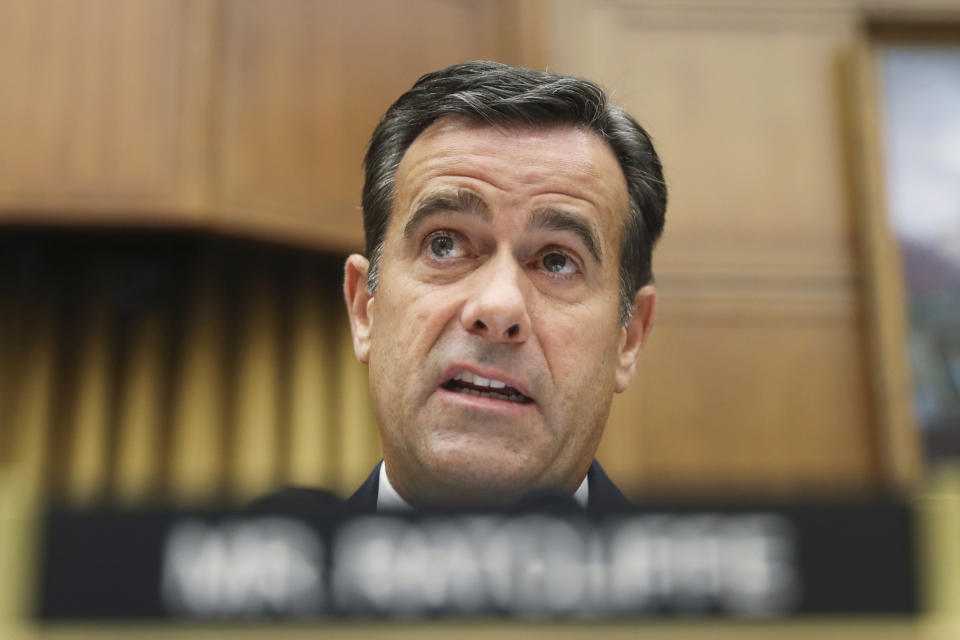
point(516, 165)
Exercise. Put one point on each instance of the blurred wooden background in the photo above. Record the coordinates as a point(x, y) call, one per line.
point(191, 121)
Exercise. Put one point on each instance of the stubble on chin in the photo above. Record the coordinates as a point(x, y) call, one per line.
point(446, 455)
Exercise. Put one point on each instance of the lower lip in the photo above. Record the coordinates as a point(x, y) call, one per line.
point(484, 403)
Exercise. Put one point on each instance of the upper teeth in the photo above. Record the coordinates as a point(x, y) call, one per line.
point(479, 381)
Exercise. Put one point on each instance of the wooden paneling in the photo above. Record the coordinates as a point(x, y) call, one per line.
point(103, 108)
point(140, 367)
point(304, 85)
point(749, 395)
point(30, 375)
point(90, 429)
point(139, 412)
point(755, 377)
point(744, 108)
point(243, 116)
point(314, 432)
point(198, 434)
point(885, 297)
point(257, 379)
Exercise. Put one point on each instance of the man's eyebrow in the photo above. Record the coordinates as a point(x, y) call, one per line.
point(456, 201)
point(557, 220)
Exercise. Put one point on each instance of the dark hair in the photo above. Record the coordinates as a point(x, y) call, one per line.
point(500, 94)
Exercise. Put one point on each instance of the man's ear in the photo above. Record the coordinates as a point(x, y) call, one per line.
point(359, 304)
point(635, 335)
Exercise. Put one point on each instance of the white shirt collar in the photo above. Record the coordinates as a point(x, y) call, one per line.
point(387, 497)
point(389, 500)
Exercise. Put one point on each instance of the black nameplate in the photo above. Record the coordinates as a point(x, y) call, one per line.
point(763, 562)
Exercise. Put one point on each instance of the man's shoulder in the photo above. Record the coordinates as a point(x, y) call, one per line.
point(604, 494)
point(295, 502)
point(364, 499)
point(306, 502)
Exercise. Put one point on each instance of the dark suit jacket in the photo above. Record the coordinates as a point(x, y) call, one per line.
point(604, 495)
point(310, 504)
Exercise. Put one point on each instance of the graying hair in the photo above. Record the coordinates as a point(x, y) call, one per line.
point(502, 95)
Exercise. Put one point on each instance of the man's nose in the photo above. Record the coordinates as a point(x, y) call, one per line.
point(497, 307)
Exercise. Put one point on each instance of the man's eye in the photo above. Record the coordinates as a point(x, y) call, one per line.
point(441, 246)
point(558, 263)
point(444, 245)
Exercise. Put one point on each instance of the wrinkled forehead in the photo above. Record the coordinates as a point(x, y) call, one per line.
point(567, 156)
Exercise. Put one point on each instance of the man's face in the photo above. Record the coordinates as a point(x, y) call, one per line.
point(493, 339)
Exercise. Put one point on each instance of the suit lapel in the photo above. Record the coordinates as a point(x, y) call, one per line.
point(364, 499)
point(604, 495)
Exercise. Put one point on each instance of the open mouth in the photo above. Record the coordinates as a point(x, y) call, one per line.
point(472, 384)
